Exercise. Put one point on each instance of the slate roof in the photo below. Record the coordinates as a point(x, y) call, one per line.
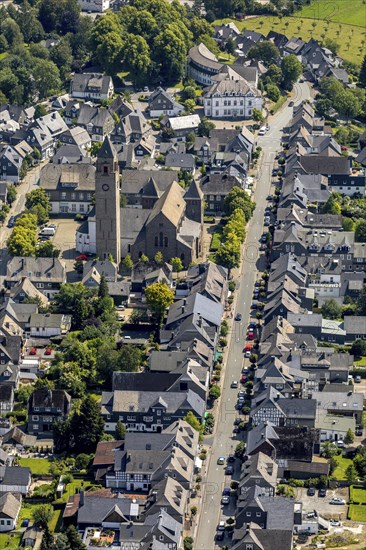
point(171, 205)
point(50, 398)
point(36, 269)
point(90, 81)
point(195, 304)
point(9, 505)
point(14, 475)
point(19, 437)
point(201, 54)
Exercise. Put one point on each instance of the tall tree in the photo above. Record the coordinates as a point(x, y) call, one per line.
point(291, 70)
point(103, 287)
point(136, 57)
point(86, 427)
point(158, 297)
point(265, 51)
point(362, 75)
point(74, 539)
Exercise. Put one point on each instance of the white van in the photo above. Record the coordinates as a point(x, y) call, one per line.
point(48, 232)
point(262, 131)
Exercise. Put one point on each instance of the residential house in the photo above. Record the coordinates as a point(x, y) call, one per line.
point(6, 398)
point(280, 443)
point(70, 187)
point(49, 325)
point(94, 86)
point(231, 99)
point(9, 375)
point(25, 289)
point(98, 122)
point(10, 163)
point(148, 410)
point(182, 126)
point(32, 536)
point(215, 188)
point(9, 511)
point(258, 471)
point(51, 123)
point(161, 103)
point(156, 530)
point(95, 6)
point(355, 327)
point(207, 279)
point(76, 136)
point(253, 537)
point(345, 403)
point(15, 479)
point(45, 407)
point(271, 406)
point(16, 438)
point(202, 65)
point(47, 274)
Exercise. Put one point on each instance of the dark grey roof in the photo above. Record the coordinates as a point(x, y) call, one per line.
point(181, 161)
point(95, 509)
point(14, 475)
point(143, 381)
point(148, 441)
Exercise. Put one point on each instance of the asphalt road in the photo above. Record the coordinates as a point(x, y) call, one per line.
point(30, 182)
point(223, 443)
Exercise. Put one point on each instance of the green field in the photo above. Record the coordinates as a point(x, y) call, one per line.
point(358, 495)
point(10, 541)
point(38, 466)
point(337, 10)
point(343, 463)
point(351, 38)
point(357, 513)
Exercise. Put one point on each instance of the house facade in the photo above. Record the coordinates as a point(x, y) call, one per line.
point(44, 408)
point(232, 99)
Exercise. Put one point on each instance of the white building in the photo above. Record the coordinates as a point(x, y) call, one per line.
point(202, 65)
point(232, 99)
point(9, 511)
point(95, 86)
point(94, 5)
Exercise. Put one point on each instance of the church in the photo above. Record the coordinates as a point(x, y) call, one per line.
point(172, 223)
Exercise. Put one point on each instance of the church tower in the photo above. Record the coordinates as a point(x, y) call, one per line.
point(107, 203)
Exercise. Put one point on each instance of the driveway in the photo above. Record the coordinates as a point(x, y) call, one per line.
point(321, 505)
point(223, 442)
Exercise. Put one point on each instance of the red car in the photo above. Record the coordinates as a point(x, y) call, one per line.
point(33, 351)
point(82, 258)
point(243, 379)
point(48, 351)
point(250, 336)
point(248, 347)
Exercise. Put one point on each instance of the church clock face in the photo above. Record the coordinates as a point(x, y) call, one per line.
point(105, 187)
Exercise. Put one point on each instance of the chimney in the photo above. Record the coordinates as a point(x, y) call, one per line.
point(81, 501)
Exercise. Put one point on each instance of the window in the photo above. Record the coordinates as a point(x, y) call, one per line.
point(81, 208)
point(63, 195)
point(249, 547)
point(248, 514)
point(73, 207)
point(73, 196)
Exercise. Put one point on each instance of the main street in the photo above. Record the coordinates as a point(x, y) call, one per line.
point(223, 443)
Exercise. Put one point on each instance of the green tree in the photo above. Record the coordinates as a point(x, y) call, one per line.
point(351, 473)
point(274, 73)
point(214, 392)
point(38, 198)
point(329, 449)
point(257, 115)
point(332, 205)
point(47, 250)
point(136, 57)
point(62, 542)
point(82, 461)
point(236, 199)
point(228, 254)
point(170, 52)
point(120, 430)
point(127, 262)
point(349, 437)
point(362, 74)
point(348, 224)
point(74, 539)
point(360, 231)
point(61, 55)
point(358, 348)
point(189, 105)
point(240, 449)
point(205, 127)
point(62, 16)
point(273, 92)
point(12, 33)
point(193, 421)
point(176, 264)
point(86, 426)
point(159, 258)
point(103, 287)
point(189, 93)
point(22, 241)
point(144, 259)
point(291, 70)
point(347, 104)
point(230, 46)
point(265, 51)
point(331, 309)
point(42, 515)
point(11, 194)
point(47, 539)
point(46, 77)
point(158, 297)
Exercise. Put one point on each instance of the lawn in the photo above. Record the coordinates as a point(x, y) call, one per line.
point(26, 511)
point(351, 38)
point(336, 10)
point(55, 523)
point(76, 484)
point(361, 362)
point(343, 464)
point(38, 466)
point(357, 513)
point(10, 540)
point(216, 239)
point(358, 495)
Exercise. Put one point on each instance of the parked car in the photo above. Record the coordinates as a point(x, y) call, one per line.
point(247, 354)
point(311, 491)
point(238, 317)
point(250, 336)
point(231, 459)
point(335, 523)
point(358, 379)
point(48, 351)
point(234, 384)
point(337, 501)
point(11, 221)
point(322, 492)
point(264, 238)
point(221, 460)
point(220, 535)
point(226, 491)
point(25, 522)
point(262, 131)
point(229, 470)
point(33, 351)
point(225, 500)
point(244, 370)
point(359, 431)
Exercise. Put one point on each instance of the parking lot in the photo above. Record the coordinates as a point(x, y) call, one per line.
point(64, 238)
point(322, 505)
